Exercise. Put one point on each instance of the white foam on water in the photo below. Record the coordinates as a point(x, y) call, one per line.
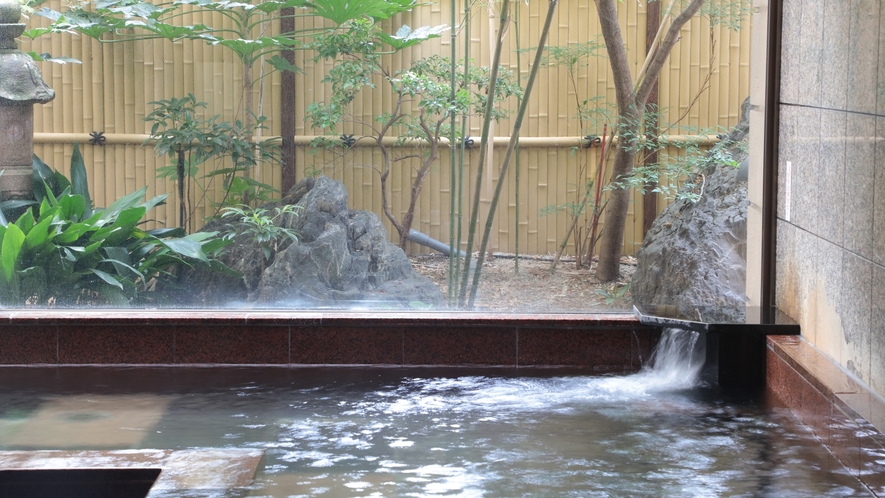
point(674, 366)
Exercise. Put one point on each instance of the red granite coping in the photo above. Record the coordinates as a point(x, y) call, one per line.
point(843, 413)
point(342, 318)
point(614, 343)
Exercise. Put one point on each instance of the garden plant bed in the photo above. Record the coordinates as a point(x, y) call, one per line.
point(534, 289)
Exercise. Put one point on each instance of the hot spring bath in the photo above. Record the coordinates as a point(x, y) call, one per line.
point(373, 431)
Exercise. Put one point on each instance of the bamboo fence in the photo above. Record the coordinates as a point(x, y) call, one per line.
point(111, 90)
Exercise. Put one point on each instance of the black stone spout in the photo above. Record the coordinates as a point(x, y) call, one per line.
point(734, 337)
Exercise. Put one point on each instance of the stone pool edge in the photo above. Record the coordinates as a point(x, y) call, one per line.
point(603, 343)
point(844, 415)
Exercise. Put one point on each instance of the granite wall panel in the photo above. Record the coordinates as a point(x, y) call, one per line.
point(860, 181)
point(833, 135)
point(835, 54)
point(810, 43)
point(862, 55)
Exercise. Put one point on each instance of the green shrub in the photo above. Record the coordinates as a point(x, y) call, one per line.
point(62, 252)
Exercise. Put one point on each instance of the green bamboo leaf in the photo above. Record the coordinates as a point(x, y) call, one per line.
point(10, 248)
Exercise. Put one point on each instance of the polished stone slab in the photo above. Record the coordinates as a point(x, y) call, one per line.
point(201, 471)
point(842, 412)
point(716, 319)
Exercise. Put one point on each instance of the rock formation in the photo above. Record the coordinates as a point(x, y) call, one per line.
point(342, 259)
point(695, 253)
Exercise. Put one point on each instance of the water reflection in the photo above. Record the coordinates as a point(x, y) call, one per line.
point(462, 432)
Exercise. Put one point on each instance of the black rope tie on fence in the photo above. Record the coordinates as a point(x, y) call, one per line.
point(98, 138)
point(348, 141)
point(591, 140)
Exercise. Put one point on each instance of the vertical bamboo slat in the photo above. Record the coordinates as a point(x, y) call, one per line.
point(111, 90)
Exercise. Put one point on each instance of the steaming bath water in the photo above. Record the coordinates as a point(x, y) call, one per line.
point(359, 431)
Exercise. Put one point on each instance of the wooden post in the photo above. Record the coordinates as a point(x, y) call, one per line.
point(650, 199)
point(287, 106)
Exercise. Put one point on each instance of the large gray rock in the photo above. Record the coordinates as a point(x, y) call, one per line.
point(695, 252)
point(342, 259)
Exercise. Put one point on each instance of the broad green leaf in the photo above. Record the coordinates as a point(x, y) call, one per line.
point(39, 234)
point(406, 37)
point(79, 184)
point(272, 6)
point(36, 33)
point(63, 183)
point(283, 65)
point(10, 249)
point(43, 177)
point(220, 267)
point(342, 11)
point(154, 202)
point(73, 232)
point(73, 207)
point(119, 258)
point(49, 58)
point(126, 202)
point(118, 253)
point(91, 248)
point(186, 247)
point(108, 278)
point(168, 232)
point(130, 217)
point(26, 221)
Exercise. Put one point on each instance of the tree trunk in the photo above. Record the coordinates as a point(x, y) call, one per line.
point(631, 103)
point(609, 267)
point(417, 185)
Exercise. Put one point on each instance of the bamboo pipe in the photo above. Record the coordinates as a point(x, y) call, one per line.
point(305, 140)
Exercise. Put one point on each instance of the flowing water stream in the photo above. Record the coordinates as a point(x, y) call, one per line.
point(368, 431)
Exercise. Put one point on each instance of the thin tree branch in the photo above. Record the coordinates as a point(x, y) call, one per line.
point(663, 52)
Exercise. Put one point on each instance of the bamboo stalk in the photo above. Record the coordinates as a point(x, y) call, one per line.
point(514, 138)
point(452, 159)
point(490, 102)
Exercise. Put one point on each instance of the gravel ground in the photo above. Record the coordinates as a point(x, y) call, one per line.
point(533, 288)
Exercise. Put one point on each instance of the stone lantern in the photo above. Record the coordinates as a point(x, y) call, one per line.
point(21, 86)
